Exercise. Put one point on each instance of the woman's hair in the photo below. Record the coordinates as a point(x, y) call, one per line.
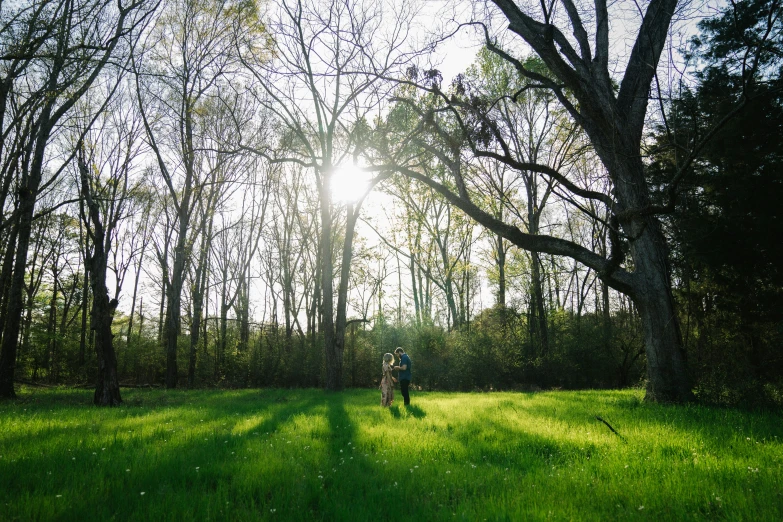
point(387, 357)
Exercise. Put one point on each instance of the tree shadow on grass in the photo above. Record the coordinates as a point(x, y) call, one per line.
point(161, 474)
point(415, 411)
point(406, 411)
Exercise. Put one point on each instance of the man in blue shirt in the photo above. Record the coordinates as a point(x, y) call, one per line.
point(405, 374)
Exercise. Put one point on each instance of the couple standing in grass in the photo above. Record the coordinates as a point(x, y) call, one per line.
point(388, 380)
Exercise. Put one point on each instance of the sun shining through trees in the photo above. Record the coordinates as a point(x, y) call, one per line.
point(241, 193)
point(349, 183)
point(254, 201)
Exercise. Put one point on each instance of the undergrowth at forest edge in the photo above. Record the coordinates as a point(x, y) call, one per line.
point(311, 455)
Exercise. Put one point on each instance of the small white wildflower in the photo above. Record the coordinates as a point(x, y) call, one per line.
point(58, 496)
point(447, 472)
point(272, 510)
point(127, 470)
point(142, 493)
point(641, 508)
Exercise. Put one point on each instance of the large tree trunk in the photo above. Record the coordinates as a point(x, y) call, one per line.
point(28, 192)
point(15, 301)
point(500, 263)
point(199, 291)
point(333, 355)
point(84, 304)
point(107, 389)
point(667, 376)
point(174, 292)
point(538, 326)
point(5, 275)
point(342, 293)
point(52, 325)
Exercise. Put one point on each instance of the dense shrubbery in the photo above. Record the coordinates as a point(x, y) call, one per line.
point(495, 351)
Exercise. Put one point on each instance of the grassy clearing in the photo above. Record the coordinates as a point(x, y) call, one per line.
point(305, 454)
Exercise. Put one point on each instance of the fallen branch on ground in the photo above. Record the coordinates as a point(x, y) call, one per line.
point(610, 427)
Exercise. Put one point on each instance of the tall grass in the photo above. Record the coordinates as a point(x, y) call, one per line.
point(309, 455)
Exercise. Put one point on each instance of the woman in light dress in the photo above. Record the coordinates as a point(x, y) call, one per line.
point(387, 381)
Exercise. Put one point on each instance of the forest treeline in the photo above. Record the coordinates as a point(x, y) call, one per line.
point(173, 213)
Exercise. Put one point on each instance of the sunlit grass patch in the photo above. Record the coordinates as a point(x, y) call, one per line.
point(307, 454)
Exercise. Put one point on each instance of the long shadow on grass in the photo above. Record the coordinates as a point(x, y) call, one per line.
point(360, 481)
point(415, 411)
point(628, 414)
point(160, 469)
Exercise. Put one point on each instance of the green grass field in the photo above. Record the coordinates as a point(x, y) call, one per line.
point(310, 455)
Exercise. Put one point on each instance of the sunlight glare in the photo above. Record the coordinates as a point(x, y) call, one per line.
point(349, 183)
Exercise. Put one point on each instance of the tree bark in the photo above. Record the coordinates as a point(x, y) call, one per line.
point(107, 389)
point(500, 263)
point(333, 361)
